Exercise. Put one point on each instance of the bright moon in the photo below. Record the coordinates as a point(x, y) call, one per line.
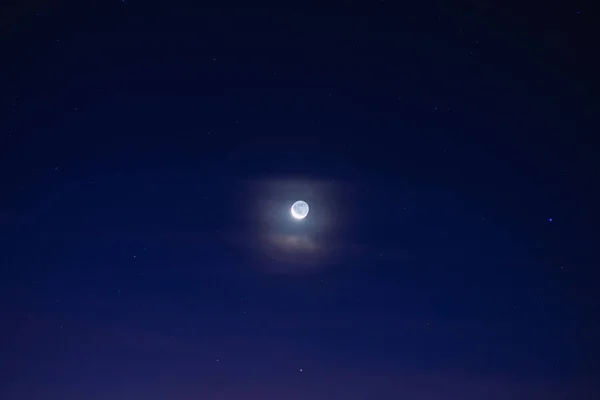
point(299, 209)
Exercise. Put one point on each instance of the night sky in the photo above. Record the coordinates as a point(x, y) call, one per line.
point(150, 153)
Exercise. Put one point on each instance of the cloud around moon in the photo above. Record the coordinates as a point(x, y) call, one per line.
point(269, 233)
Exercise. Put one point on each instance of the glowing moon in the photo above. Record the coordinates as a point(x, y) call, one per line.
point(299, 209)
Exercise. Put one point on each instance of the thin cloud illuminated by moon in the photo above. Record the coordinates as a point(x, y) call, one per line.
point(272, 233)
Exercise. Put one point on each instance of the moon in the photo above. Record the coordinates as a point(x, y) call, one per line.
point(299, 209)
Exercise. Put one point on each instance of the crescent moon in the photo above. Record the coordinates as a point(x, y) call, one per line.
point(299, 209)
point(296, 215)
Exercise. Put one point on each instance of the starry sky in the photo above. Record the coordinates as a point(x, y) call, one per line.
point(150, 153)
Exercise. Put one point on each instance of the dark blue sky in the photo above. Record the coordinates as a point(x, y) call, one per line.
point(150, 152)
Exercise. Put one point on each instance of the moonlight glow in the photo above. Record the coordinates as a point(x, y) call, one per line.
point(299, 209)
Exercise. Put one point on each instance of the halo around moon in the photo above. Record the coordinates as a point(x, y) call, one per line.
point(299, 210)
